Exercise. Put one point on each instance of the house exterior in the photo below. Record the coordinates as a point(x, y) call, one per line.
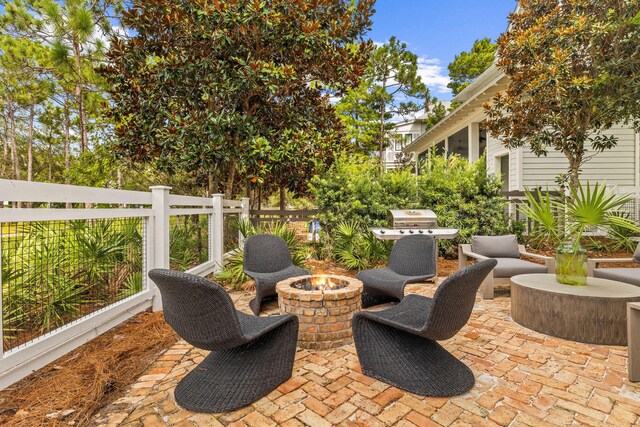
point(462, 132)
point(401, 136)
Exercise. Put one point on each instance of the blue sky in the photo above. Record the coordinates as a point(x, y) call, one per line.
point(438, 30)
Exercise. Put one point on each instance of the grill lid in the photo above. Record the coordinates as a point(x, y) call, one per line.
point(402, 218)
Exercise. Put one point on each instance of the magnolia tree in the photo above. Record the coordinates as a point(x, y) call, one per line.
point(574, 67)
point(227, 88)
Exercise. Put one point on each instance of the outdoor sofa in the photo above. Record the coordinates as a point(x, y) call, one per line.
point(507, 251)
point(621, 274)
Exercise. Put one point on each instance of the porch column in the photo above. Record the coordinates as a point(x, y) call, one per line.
point(474, 141)
point(446, 145)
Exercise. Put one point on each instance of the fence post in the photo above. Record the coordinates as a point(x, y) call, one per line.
point(216, 241)
point(160, 206)
point(244, 216)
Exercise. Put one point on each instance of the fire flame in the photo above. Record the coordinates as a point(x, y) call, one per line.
point(324, 282)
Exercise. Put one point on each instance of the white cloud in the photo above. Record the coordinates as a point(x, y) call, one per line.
point(434, 75)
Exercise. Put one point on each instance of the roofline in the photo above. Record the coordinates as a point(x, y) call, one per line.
point(498, 79)
point(478, 84)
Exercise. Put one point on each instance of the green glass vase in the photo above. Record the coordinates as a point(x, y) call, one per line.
point(571, 264)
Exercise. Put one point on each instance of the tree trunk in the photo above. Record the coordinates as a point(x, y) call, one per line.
point(213, 182)
point(67, 145)
point(228, 190)
point(283, 198)
point(50, 174)
point(14, 147)
point(32, 113)
point(381, 138)
point(5, 152)
point(119, 176)
point(575, 162)
point(79, 89)
point(253, 197)
point(67, 141)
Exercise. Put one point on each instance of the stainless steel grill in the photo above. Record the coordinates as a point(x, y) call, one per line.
point(404, 222)
point(412, 218)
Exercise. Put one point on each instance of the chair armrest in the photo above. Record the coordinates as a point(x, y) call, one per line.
point(592, 263)
point(597, 261)
point(549, 261)
point(466, 250)
point(523, 252)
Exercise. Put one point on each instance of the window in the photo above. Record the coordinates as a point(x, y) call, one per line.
point(401, 143)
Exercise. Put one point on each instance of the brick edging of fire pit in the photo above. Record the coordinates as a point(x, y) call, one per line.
point(324, 315)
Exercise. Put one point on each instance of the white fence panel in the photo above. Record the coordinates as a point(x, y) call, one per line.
point(25, 357)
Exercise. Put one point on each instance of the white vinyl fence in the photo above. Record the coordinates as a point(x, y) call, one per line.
point(75, 261)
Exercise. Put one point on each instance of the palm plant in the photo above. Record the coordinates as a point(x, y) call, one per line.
point(355, 248)
point(41, 286)
point(101, 246)
point(588, 208)
point(565, 220)
point(540, 209)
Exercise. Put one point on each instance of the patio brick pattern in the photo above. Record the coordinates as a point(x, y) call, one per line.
point(523, 378)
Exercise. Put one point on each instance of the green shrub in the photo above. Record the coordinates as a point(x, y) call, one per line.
point(354, 189)
point(463, 196)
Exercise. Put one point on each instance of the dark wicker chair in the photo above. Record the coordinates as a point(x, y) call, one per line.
point(412, 260)
point(398, 345)
point(250, 356)
point(267, 260)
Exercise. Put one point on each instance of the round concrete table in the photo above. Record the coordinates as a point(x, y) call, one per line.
point(595, 313)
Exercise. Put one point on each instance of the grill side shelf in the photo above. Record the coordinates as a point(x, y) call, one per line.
point(395, 234)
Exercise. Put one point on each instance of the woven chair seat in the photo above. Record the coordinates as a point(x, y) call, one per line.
point(398, 345)
point(267, 261)
point(412, 260)
point(250, 356)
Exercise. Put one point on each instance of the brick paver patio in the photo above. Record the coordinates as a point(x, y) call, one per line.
point(523, 378)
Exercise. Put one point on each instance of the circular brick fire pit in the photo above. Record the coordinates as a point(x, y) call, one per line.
point(325, 305)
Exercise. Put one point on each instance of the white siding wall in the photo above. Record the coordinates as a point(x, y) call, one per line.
point(493, 148)
point(616, 166)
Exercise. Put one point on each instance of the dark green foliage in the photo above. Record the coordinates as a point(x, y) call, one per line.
point(461, 195)
point(468, 65)
point(354, 189)
point(235, 90)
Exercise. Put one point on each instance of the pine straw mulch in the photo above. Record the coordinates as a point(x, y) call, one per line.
point(71, 389)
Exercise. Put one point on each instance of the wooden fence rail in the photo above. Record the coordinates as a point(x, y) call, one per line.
point(271, 215)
